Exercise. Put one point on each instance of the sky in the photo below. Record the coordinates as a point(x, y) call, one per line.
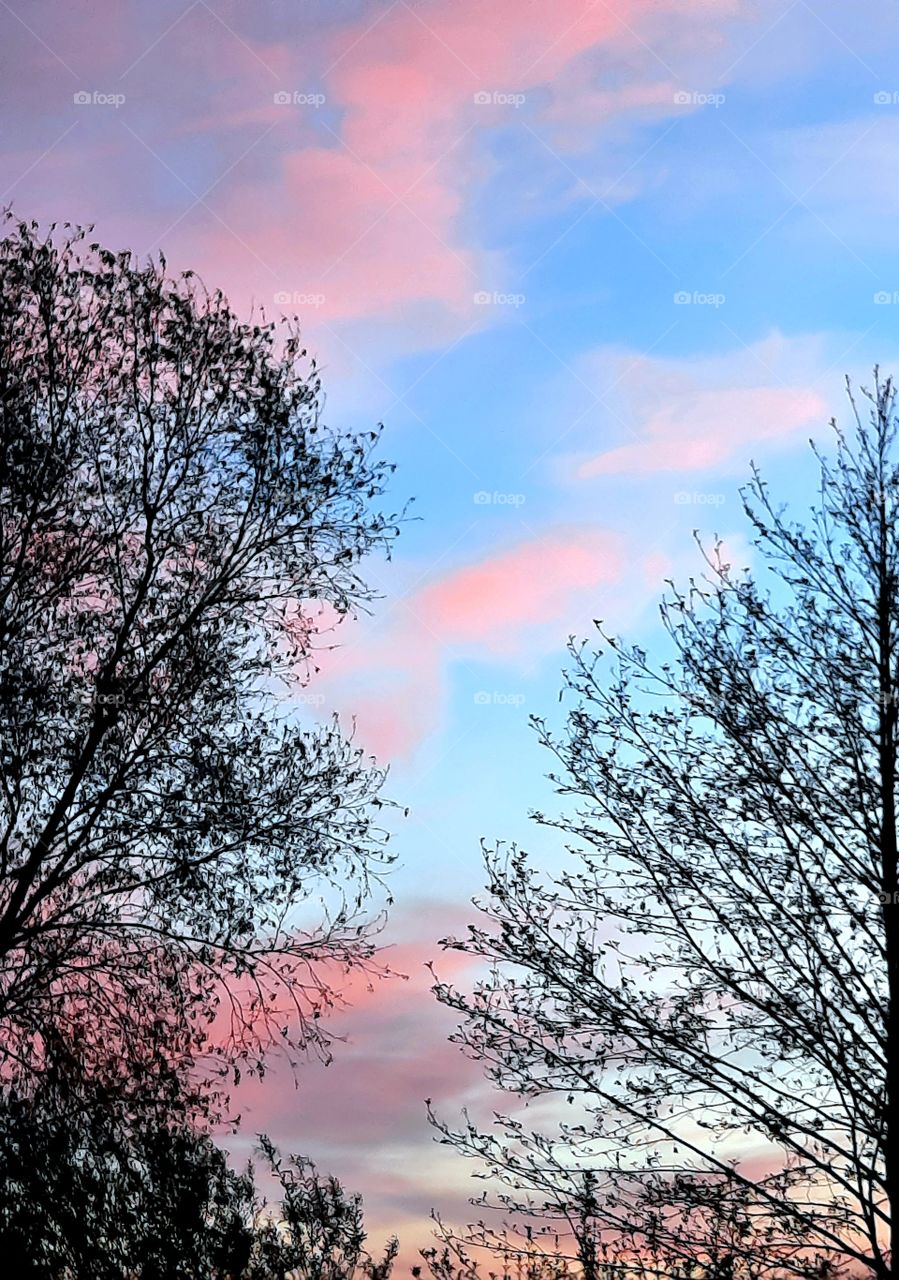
point(584, 260)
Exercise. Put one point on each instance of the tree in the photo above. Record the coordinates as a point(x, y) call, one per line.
point(88, 1194)
point(85, 1192)
point(530, 1260)
point(710, 989)
point(318, 1232)
point(183, 864)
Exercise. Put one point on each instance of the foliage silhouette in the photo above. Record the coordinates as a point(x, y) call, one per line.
point(87, 1193)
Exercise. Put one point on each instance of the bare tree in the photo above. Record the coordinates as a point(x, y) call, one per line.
point(182, 863)
point(702, 1009)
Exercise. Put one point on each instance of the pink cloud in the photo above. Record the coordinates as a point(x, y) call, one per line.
point(511, 607)
point(696, 415)
point(705, 428)
point(507, 601)
point(362, 1117)
point(360, 204)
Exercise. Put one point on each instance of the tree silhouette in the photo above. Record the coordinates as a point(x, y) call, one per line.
point(542, 1255)
point(702, 1009)
point(89, 1193)
point(318, 1232)
point(182, 863)
point(85, 1192)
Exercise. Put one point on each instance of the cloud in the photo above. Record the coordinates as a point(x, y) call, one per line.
point(511, 607)
point(362, 1117)
point(368, 218)
point(378, 208)
point(513, 602)
point(707, 413)
point(357, 197)
point(702, 428)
